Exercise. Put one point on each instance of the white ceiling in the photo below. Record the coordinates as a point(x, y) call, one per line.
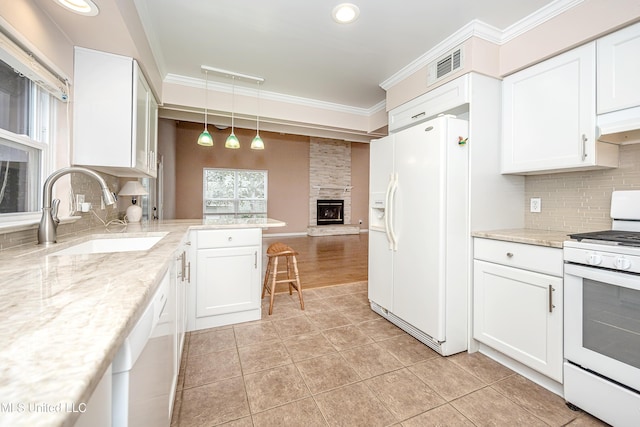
point(300, 51)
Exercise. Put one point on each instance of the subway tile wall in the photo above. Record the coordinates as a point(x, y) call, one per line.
point(580, 201)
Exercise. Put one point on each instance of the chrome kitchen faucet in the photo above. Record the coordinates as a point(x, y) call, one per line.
point(48, 228)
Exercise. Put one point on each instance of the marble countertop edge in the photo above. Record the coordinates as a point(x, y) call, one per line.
point(530, 236)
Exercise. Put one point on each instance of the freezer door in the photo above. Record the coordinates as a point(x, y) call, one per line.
point(380, 164)
point(380, 270)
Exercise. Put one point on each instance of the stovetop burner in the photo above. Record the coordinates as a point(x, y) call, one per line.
point(629, 238)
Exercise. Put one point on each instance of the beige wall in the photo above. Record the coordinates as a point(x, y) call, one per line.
point(479, 55)
point(360, 183)
point(582, 23)
point(286, 158)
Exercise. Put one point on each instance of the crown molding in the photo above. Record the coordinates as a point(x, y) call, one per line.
point(477, 28)
point(538, 17)
point(273, 96)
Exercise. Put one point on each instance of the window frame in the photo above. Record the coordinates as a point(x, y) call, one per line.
point(235, 199)
point(41, 128)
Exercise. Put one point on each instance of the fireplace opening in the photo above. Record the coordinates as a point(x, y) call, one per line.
point(330, 212)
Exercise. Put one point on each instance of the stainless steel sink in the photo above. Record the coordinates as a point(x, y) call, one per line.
point(112, 244)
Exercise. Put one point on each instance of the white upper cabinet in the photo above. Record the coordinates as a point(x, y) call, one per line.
point(549, 117)
point(619, 70)
point(115, 115)
point(437, 101)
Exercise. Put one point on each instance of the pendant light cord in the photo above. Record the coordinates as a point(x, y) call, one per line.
point(206, 96)
point(258, 117)
point(233, 101)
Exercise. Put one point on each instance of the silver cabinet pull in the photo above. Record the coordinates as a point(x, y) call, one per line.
point(509, 254)
point(255, 259)
point(184, 264)
point(551, 306)
point(418, 115)
point(584, 146)
point(189, 272)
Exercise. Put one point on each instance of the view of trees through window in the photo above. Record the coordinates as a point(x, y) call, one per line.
point(238, 192)
point(23, 114)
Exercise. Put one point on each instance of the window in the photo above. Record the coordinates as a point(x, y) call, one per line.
point(25, 113)
point(229, 192)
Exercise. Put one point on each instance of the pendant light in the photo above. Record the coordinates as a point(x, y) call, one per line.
point(232, 141)
point(257, 143)
point(205, 137)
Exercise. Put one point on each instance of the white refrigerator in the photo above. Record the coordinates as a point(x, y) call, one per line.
point(419, 231)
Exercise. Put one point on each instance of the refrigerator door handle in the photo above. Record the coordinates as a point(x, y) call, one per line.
point(387, 213)
point(393, 242)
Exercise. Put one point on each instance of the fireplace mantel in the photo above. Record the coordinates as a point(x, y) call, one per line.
point(344, 189)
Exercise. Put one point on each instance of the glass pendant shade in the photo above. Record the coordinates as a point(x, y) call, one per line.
point(205, 139)
point(232, 142)
point(257, 143)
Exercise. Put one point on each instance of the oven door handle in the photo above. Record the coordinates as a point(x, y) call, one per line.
point(614, 277)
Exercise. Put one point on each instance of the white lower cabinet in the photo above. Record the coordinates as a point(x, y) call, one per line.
point(97, 411)
point(518, 309)
point(228, 285)
point(183, 281)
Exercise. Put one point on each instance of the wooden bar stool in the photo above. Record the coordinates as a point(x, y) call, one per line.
point(274, 252)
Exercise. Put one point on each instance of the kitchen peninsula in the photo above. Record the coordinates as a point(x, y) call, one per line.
point(64, 318)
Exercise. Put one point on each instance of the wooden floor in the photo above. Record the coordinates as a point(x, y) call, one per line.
point(327, 260)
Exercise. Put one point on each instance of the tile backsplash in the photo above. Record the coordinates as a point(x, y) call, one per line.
point(81, 184)
point(580, 201)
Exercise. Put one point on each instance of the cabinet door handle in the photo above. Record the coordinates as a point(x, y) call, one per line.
point(584, 146)
point(551, 306)
point(509, 254)
point(418, 115)
point(189, 272)
point(255, 259)
point(184, 264)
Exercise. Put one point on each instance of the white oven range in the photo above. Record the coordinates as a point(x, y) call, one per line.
point(602, 316)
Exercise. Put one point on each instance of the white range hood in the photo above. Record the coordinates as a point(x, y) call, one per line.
point(619, 127)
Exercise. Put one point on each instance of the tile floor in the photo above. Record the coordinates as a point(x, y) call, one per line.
point(338, 363)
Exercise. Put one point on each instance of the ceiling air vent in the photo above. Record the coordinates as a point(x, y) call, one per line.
point(445, 65)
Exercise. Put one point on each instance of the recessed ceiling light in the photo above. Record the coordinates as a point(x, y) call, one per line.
point(345, 13)
point(82, 7)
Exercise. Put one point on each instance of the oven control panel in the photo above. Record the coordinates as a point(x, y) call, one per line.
point(613, 257)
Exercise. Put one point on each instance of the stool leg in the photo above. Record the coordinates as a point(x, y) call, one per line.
point(273, 284)
point(266, 277)
point(298, 286)
point(289, 274)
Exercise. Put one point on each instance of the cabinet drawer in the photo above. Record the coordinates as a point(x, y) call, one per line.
point(228, 238)
point(542, 259)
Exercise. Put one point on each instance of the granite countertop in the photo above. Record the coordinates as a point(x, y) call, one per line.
point(63, 318)
point(550, 238)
